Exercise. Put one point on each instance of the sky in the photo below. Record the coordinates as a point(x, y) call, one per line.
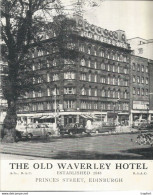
point(134, 17)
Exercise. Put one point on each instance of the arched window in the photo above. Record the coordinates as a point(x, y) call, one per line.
point(89, 77)
point(48, 77)
point(108, 93)
point(118, 94)
point(95, 64)
point(96, 92)
point(83, 63)
point(89, 50)
point(114, 80)
point(103, 93)
point(95, 78)
point(89, 63)
point(89, 91)
point(114, 94)
point(48, 92)
point(54, 62)
point(83, 91)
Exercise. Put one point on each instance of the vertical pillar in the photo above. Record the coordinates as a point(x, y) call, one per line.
point(105, 119)
point(77, 118)
point(62, 120)
point(149, 117)
point(130, 119)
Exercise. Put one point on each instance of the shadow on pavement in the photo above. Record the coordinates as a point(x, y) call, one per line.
point(133, 154)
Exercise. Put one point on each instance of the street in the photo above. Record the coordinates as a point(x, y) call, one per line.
point(119, 146)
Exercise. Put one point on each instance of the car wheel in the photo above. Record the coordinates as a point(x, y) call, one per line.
point(70, 133)
point(97, 131)
point(48, 134)
point(29, 136)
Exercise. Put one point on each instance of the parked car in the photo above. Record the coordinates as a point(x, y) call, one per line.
point(72, 128)
point(138, 122)
point(146, 126)
point(100, 127)
point(36, 130)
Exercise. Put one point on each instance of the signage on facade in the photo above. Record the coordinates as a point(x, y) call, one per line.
point(141, 105)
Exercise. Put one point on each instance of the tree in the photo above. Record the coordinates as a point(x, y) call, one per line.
point(23, 22)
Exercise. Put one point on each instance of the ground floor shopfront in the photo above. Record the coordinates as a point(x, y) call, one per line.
point(141, 114)
point(64, 118)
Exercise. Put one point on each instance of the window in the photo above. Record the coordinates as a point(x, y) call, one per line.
point(133, 66)
point(95, 106)
point(147, 69)
point(54, 62)
point(118, 94)
point(69, 104)
point(69, 75)
point(39, 80)
point(138, 79)
point(95, 65)
point(103, 93)
point(114, 94)
point(89, 106)
point(125, 94)
point(101, 53)
point(81, 48)
point(134, 91)
point(142, 68)
point(103, 79)
point(113, 68)
point(83, 91)
point(40, 52)
point(95, 78)
point(40, 93)
point(118, 81)
point(102, 66)
point(108, 93)
point(89, 91)
point(146, 92)
point(114, 80)
point(83, 63)
point(89, 63)
point(142, 92)
point(48, 92)
point(33, 67)
point(83, 105)
point(89, 50)
point(142, 80)
point(89, 77)
point(95, 52)
point(138, 91)
point(96, 92)
point(125, 70)
point(108, 67)
point(55, 77)
point(33, 94)
point(146, 81)
point(138, 67)
point(48, 77)
point(49, 106)
point(118, 69)
point(47, 62)
point(140, 51)
point(83, 77)
point(69, 90)
point(134, 79)
point(108, 80)
point(126, 82)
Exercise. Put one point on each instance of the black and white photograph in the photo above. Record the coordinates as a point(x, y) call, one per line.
point(76, 82)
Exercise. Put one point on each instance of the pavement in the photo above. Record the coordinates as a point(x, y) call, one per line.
point(106, 146)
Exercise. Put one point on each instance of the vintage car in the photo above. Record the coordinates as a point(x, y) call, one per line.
point(101, 127)
point(138, 122)
point(35, 130)
point(146, 126)
point(72, 128)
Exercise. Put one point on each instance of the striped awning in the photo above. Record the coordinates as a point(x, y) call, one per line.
point(44, 117)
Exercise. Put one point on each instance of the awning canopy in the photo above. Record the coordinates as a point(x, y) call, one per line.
point(44, 117)
point(36, 117)
point(50, 116)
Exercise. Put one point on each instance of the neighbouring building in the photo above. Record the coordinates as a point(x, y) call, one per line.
point(95, 85)
point(140, 89)
point(142, 47)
